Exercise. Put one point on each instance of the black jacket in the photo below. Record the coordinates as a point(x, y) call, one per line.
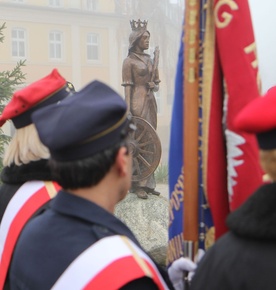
point(244, 258)
point(14, 176)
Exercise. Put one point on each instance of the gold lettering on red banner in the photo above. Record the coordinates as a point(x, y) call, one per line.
point(225, 16)
point(252, 49)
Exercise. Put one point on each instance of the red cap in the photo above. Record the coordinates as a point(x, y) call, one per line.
point(49, 89)
point(259, 115)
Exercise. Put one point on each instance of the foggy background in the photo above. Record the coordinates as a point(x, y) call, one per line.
point(264, 24)
point(110, 19)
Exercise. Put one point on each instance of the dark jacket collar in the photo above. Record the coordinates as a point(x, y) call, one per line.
point(256, 218)
point(69, 204)
point(36, 170)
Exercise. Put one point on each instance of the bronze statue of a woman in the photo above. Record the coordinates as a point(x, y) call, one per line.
point(141, 80)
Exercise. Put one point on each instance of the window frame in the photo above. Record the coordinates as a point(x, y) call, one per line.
point(55, 3)
point(56, 45)
point(93, 44)
point(19, 42)
point(91, 5)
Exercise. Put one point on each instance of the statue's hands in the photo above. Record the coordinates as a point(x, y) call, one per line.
point(151, 85)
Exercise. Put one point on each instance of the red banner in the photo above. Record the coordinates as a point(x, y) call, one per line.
point(230, 80)
point(237, 50)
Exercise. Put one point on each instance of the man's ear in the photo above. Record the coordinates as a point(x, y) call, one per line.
point(122, 161)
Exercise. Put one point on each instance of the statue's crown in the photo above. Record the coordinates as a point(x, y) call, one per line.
point(138, 25)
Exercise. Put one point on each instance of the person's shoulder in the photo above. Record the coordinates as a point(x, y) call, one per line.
point(219, 252)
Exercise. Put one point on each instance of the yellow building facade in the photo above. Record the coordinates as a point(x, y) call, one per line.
point(88, 39)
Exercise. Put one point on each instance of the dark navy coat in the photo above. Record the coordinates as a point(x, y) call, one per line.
point(54, 238)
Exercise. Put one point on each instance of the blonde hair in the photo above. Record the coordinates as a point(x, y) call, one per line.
point(25, 147)
point(268, 163)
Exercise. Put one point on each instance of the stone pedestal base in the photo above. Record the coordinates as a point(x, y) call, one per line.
point(148, 219)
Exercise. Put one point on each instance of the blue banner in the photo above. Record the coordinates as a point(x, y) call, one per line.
point(176, 190)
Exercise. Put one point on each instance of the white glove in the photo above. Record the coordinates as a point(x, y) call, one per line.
point(180, 266)
point(199, 255)
point(177, 269)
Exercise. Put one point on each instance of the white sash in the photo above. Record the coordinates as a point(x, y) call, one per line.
point(108, 252)
point(24, 203)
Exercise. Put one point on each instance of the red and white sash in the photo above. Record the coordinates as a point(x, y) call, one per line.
point(110, 263)
point(26, 201)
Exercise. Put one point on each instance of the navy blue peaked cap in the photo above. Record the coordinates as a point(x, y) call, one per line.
point(83, 124)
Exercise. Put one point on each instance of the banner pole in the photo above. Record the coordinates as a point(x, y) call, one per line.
point(191, 125)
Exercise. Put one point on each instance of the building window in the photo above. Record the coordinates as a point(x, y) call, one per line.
point(55, 44)
point(125, 7)
point(91, 5)
point(93, 46)
point(18, 42)
point(55, 3)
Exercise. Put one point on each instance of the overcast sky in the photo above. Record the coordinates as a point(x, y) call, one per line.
point(263, 14)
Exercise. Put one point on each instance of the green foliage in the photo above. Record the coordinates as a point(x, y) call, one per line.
point(9, 81)
point(2, 27)
point(161, 173)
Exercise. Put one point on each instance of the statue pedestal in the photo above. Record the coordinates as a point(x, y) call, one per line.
point(148, 219)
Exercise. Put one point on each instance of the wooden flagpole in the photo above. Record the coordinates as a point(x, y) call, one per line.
point(191, 125)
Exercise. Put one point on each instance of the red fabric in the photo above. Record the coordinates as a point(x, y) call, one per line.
point(28, 209)
point(217, 163)
point(28, 97)
point(234, 64)
point(111, 277)
point(240, 74)
point(259, 115)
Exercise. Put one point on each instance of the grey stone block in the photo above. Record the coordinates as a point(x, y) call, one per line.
point(148, 219)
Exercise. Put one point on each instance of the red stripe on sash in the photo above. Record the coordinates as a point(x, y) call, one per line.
point(156, 277)
point(36, 201)
point(132, 272)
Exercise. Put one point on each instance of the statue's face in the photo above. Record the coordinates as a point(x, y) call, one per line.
point(143, 42)
point(268, 162)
